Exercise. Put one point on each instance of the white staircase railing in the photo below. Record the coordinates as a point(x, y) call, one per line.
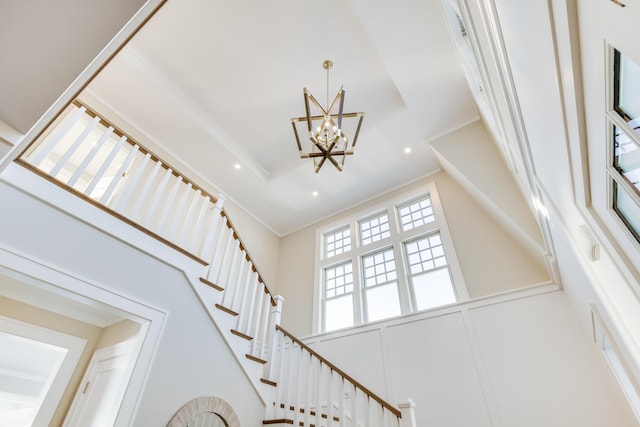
point(313, 391)
point(88, 156)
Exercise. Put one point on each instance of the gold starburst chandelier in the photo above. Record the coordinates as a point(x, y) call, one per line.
point(325, 131)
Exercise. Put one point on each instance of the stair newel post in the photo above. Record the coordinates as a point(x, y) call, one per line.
point(213, 226)
point(272, 336)
point(408, 411)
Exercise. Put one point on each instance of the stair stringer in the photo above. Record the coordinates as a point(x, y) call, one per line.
point(238, 346)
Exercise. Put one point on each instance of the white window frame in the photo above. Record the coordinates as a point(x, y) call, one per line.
point(614, 357)
point(613, 119)
point(396, 240)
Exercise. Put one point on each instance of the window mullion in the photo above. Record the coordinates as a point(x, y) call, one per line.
point(358, 317)
point(406, 299)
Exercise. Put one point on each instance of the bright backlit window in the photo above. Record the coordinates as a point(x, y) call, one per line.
point(374, 229)
point(624, 119)
point(337, 242)
point(400, 263)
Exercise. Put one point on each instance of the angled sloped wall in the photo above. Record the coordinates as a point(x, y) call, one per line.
point(189, 359)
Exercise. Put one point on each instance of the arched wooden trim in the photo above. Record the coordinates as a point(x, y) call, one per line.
point(204, 404)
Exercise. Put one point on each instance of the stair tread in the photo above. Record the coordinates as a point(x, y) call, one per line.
point(256, 359)
point(226, 310)
point(211, 284)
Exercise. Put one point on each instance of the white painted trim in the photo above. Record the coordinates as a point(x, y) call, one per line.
point(601, 332)
point(56, 386)
point(500, 298)
point(395, 241)
point(84, 77)
point(57, 280)
point(122, 348)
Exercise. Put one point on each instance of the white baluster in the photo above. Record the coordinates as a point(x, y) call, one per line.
point(105, 165)
point(177, 212)
point(307, 383)
point(265, 324)
point(168, 205)
point(248, 296)
point(366, 406)
point(240, 288)
point(235, 278)
point(146, 220)
point(298, 402)
point(213, 227)
point(145, 190)
point(225, 250)
point(72, 149)
point(355, 416)
point(257, 322)
point(218, 247)
point(229, 286)
point(196, 233)
point(276, 316)
point(85, 162)
point(330, 397)
point(342, 413)
point(132, 182)
point(281, 370)
point(187, 225)
point(119, 175)
point(48, 144)
point(250, 306)
point(289, 377)
point(319, 382)
point(379, 415)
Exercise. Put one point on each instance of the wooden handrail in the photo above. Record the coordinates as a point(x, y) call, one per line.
point(119, 132)
point(110, 211)
point(340, 372)
point(248, 257)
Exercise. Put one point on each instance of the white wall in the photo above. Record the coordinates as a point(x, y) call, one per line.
point(490, 259)
point(525, 362)
point(46, 45)
point(191, 357)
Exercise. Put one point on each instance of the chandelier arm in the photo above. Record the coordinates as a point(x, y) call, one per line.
point(315, 102)
point(333, 116)
point(306, 106)
point(333, 104)
point(319, 165)
point(295, 132)
point(340, 111)
point(355, 138)
point(336, 164)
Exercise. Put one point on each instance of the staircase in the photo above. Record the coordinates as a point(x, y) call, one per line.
point(89, 157)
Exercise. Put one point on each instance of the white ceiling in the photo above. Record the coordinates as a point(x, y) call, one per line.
point(213, 83)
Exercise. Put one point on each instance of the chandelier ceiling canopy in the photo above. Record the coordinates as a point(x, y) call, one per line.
point(327, 140)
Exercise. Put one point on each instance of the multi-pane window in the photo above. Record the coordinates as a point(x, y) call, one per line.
point(416, 213)
point(381, 285)
point(429, 273)
point(624, 171)
point(338, 296)
point(337, 242)
point(393, 264)
point(374, 229)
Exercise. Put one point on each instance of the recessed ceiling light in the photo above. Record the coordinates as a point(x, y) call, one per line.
point(407, 150)
point(314, 194)
point(238, 166)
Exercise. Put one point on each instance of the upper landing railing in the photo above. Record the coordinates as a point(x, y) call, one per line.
point(91, 158)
